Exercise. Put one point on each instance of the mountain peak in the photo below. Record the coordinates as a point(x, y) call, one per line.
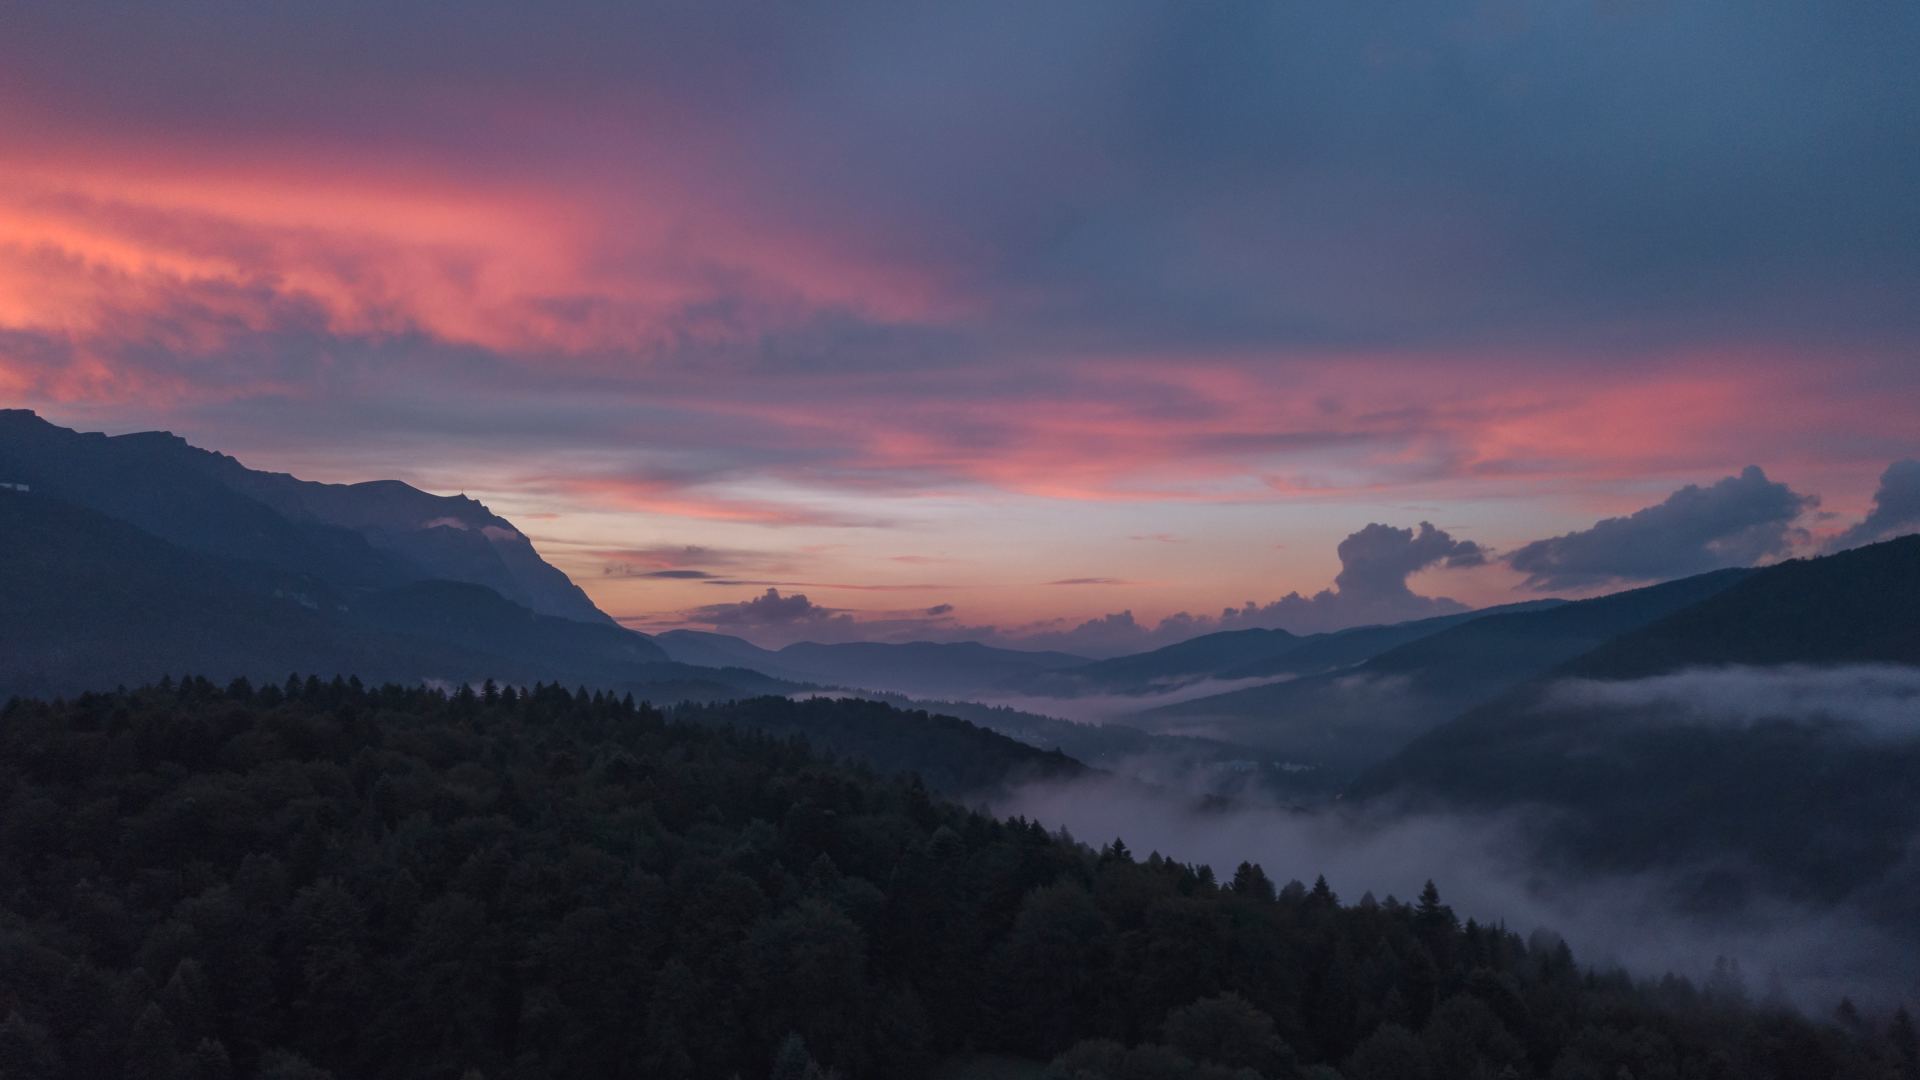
point(372, 534)
point(22, 418)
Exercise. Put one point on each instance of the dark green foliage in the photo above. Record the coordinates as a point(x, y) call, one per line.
point(1226, 1030)
point(1390, 1053)
point(1854, 607)
point(319, 880)
point(1104, 1059)
point(951, 755)
point(1119, 748)
point(27, 1052)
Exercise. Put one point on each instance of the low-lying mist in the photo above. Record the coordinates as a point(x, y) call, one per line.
point(1107, 707)
point(1485, 870)
point(1878, 699)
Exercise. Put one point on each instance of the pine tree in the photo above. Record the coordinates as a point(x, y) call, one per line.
point(792, 1062)
point(27, 1052)
point(185, 1000)
point(150, 1050)
point(1227, 1030)
point(1250, 881)
point(1322, 894)
point(209, 1061)
point(1906, 1044)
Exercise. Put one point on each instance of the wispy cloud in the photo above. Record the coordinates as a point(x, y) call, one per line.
point(741, 275)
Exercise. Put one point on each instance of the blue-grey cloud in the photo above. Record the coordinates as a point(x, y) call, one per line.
point(771, 611)
point(1896, 508)
point(1258, 172)
point(1736, 521)
point(1371, 588)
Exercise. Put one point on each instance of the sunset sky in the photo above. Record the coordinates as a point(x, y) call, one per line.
point(985, 320)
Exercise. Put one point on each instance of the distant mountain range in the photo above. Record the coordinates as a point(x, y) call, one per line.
point(1769, 733)
point(972, 670)
point(123, 559)
point(1348, 718)
point(126, 558)
point(917, 668)
point(1243, 655)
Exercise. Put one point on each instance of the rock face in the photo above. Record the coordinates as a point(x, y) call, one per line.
point(370, 535)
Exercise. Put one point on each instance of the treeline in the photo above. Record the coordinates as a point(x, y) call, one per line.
point(325, 880)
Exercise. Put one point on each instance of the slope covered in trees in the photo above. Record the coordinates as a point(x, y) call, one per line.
point(323, 880)
point(1766, 731)
point(1854, 607)
point(1345, 721)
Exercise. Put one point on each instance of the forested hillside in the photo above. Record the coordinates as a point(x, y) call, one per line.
point(1348, 720)
point(1854, 607)
point(1768, 732)
point(323, 880)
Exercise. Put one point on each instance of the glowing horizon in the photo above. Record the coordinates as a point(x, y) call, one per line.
point(1024, 319)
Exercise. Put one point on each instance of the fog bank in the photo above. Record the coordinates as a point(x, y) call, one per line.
point(1482, 867)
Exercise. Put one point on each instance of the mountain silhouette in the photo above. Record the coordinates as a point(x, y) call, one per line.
point(1684, 741)
point(123, 559)
point(374, 534)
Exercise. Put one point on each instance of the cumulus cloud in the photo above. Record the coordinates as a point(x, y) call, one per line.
point(1375, 563)
point(1108, 635)
point(1736, 521)
point(1371, 587)
point(774, 619)
point(771, 610)
point(1896, 508)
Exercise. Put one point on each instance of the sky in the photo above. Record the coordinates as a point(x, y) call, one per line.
point(1040, 324)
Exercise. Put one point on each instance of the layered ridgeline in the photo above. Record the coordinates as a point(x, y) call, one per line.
point(1244, 655)
point(1342, 720)
point(1768, 735)
point(122, 559)
point(201, 882)
point(919, 668)
point(970, 669)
